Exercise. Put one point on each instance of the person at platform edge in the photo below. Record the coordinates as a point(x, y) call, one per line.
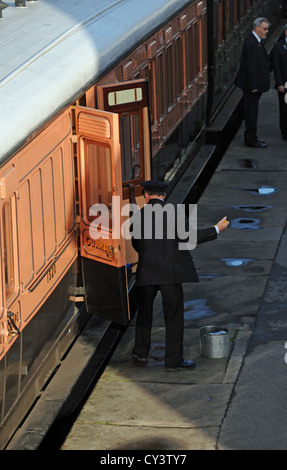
point(254, 79)
point(279, 65)
point(163, 267)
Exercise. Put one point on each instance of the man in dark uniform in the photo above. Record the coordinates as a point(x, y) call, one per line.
point(254, 79)
point(279, 63)
point(163, 266)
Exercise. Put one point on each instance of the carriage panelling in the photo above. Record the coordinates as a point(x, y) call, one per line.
point(165, 59)
point(43, 222)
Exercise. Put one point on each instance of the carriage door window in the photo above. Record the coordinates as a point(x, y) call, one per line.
point(130, 147)
point(99, 183)
point(130, 101)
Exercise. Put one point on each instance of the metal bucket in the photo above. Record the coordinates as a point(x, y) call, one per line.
point(214, 342)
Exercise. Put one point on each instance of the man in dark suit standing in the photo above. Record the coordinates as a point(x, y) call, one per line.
point(279, 63)
point(163, 266)
point(254, 79)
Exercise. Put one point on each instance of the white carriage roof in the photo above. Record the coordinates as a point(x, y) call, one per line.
point(51, 50)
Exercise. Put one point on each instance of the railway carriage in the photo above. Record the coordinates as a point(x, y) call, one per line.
point(94, 100)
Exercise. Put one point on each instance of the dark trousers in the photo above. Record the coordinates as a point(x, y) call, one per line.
point(251, 104)
point(173, 309)
point(282, 113)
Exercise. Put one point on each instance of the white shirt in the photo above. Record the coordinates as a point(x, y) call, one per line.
point(257, 37)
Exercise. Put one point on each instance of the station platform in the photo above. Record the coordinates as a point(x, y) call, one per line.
point(232, 403)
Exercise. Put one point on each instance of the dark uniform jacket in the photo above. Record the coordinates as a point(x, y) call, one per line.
point(254, 69)
point(279, 63)
point(160, 260)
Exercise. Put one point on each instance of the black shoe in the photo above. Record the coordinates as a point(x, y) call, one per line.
point(139, 358)
point(258, 144)
point(284, 136)
point(184, 365)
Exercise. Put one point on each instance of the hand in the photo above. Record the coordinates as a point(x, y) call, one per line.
point(281, 89)
point(223, 224)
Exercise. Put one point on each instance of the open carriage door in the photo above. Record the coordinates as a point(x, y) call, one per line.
point(100, 198)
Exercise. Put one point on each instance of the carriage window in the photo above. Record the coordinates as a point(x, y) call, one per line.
point(244, 7)
point(192, 53)
point(178, 68)
point(130, 147)
point(8, 257)
point(99, 171)
point(147, 73)
point(235, 12)
point(119, 97)
point(160, 86)
point(227, 18)
point(204, 36)
point(189, 61)
point(220, 23)
point(169, 76)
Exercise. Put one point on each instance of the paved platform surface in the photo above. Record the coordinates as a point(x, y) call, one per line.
point(231, 403)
